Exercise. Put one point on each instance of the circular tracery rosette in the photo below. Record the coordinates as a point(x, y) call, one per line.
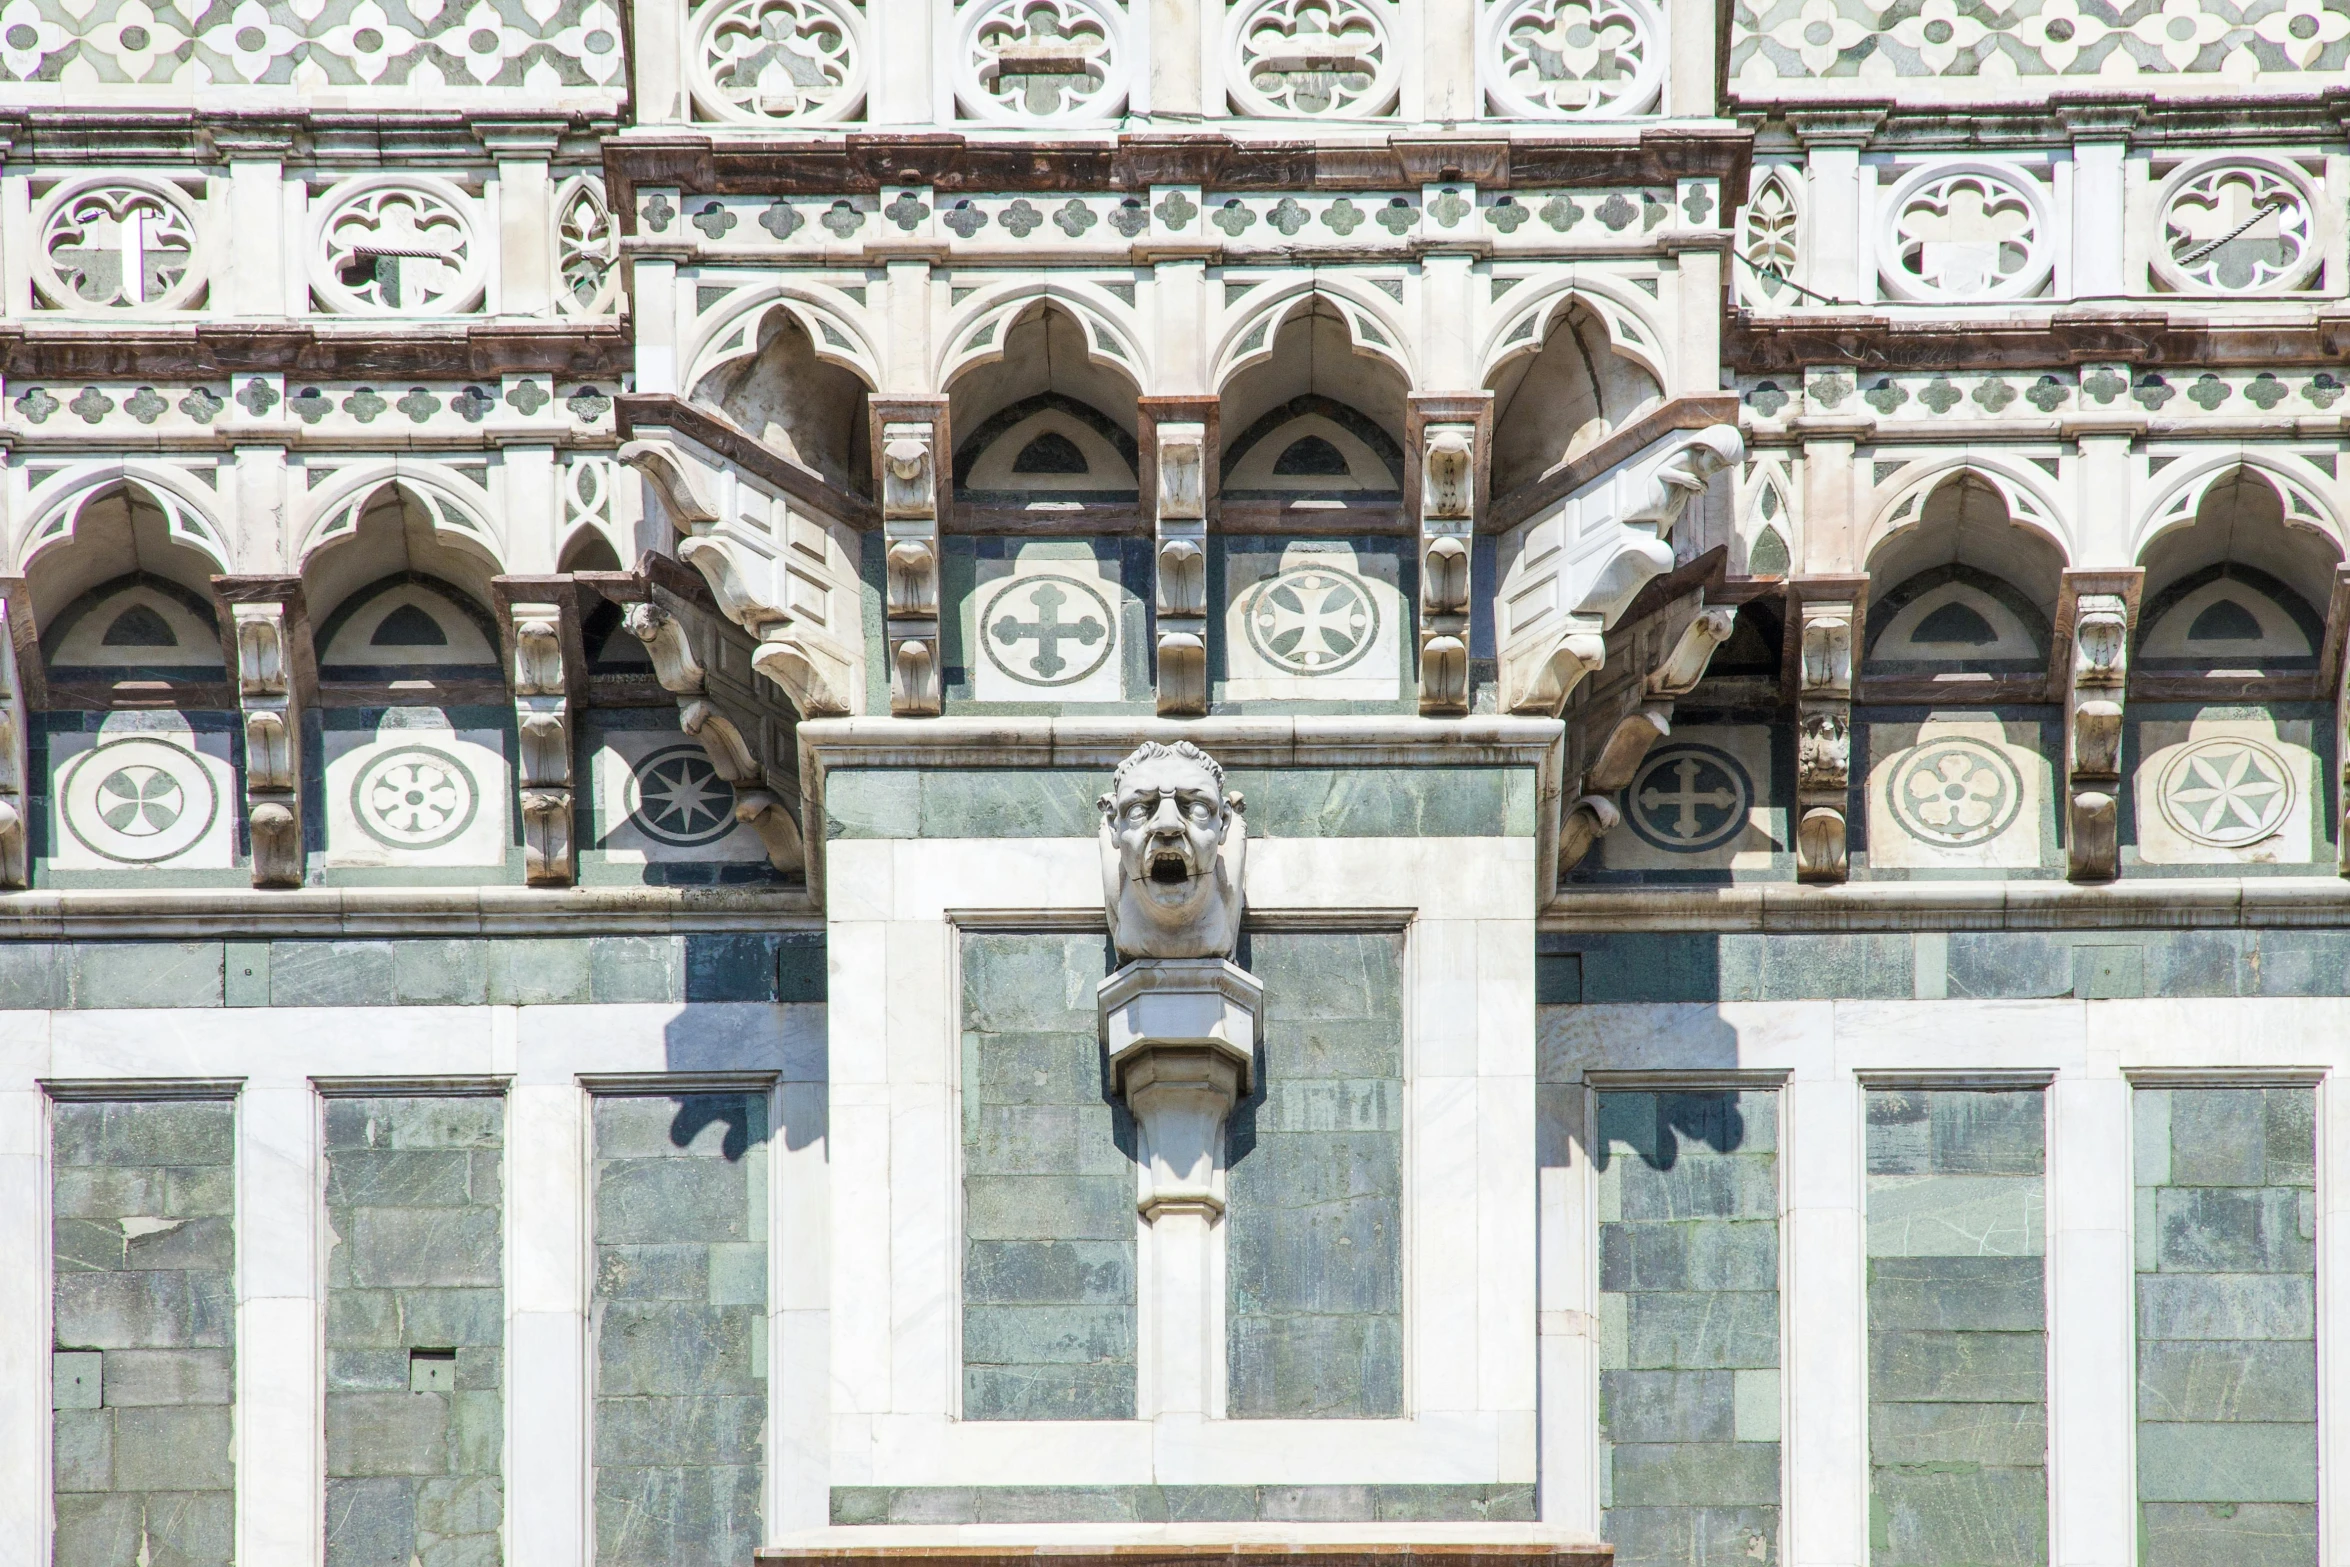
point(1032, 62)
point(757, 61)
point(1970, 231)
point(1320, 59)
point(2242, 226)
point(1574, 59)
point(393, 244)
point(123, 243)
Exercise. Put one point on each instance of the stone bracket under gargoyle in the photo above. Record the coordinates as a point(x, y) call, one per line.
point(1568, 572)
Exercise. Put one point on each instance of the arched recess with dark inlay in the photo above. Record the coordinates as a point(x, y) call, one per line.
point(1045, 427)
point(124, 606)
point(2238, 592)
point(1315, 425)
point(1964, 594)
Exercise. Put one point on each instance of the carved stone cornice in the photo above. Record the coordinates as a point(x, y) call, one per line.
point(2004, 340)
point(755, 164)
point(596, 352)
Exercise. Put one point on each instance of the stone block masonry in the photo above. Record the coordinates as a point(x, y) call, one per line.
point(1048, 1188)
point(2227, 1367)
point(1958, 1320)
point(679, 1319)
point(415, 1331)
point(1314, 1265)
point(1689, 1326)
point(143, 1199)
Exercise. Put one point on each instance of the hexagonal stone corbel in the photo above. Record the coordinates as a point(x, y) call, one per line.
point(2097, 609)
point(542, 716)
point(909, 443)
point(267, 640)
point(1181, 482)
point(1831, 610)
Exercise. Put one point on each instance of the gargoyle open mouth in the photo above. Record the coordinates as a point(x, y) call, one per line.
point(1167, 867)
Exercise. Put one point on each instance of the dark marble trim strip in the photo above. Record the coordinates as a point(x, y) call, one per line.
point(952, 1504)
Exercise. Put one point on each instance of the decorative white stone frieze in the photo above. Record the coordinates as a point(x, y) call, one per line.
point(396, 244)
point(1831, 613)
point(119, 243)
point(2237, 226)
point(1040, 62)
point(1958, 232)
point(758, 62)
point(1318, 59)
point(1574, 59)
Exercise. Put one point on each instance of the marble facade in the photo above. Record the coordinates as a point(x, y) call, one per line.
point(1767, 583)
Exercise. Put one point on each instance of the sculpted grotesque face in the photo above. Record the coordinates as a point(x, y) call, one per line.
point(1166, 824)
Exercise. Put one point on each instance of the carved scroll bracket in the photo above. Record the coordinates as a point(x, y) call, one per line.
point(269, 639)
point(1181, 465)
point(2097, 610)
point(910, 448)
point(1831, 611)
point(1448, 475)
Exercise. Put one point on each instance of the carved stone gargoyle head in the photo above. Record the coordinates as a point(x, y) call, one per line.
point(1174, 855)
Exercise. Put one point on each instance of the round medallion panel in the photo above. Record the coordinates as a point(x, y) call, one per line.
point(1955, 793)
point(1687, 799)
point(1311, 620)
point(138, 801)
point(1574, 59)
point(1048, 630)
point(2226, 792)
point(676, 797)
point(414, 797)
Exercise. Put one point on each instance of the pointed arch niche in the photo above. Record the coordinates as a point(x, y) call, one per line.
point(1555, 403)
point(1961, 598)
point(807, 408)
point(2237, 593)
point(125, 609)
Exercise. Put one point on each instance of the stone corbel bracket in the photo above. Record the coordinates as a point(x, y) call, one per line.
point(269, 640)
point(542, 720)
point(2097, 611)
point(1448, 476)
point(1830, 613)
point(777, 545)
point(1570, 570)
point(1656, 655)
point(15, 846)
point(911, 453)
point(1181, 445)
point(683, 644)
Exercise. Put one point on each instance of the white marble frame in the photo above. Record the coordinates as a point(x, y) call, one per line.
point(896, 1351)
point(543, 1052)
point(2090, 1054)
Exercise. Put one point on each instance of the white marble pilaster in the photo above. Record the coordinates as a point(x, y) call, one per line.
point(2092, 1401)
point(281, 1434)
point(24, 1285)
point(2099, 222)
point(547, 1229)
point(1825, 1457)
